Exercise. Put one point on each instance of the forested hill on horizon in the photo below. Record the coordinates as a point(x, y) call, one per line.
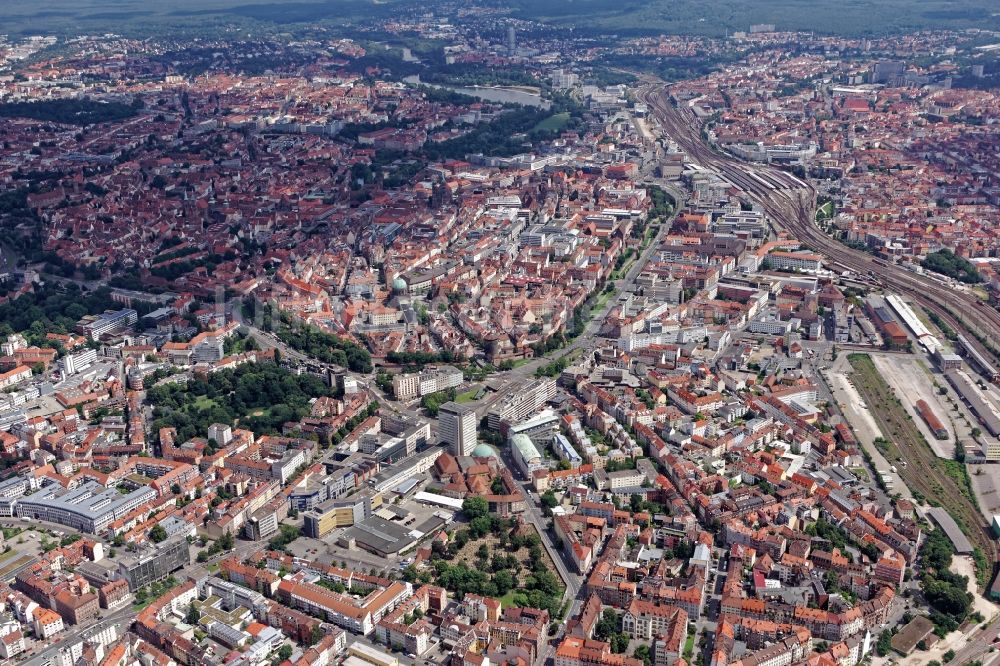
point(715, 17)
point(628, 17)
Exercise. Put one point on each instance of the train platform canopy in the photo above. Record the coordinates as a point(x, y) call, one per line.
point(951, 529)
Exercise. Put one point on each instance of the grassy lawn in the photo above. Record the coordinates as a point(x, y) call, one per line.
point(602, 300)
point(553, 123)
point(12, 561)
point(630, 257)
point(204, 402)
point(507, 600)
point(825, 211)
point(689, 647)
point(11, 532)
point(623, 271)
point(467, 396)
point(649, 235)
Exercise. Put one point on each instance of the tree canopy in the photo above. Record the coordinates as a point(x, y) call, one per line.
point(945, 591)
point(948, 263)
point(261, 396)
point(157, 534)
point(83, 111)
point(52, 307)
point(475, 507)
point(326, 347)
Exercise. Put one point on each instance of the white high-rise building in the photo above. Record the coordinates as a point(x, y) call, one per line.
point(78, 362)
point(458, 427)
point(522, 402)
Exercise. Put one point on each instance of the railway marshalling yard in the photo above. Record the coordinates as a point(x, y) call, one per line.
point(866, 386)
point(936, 480)
point(909, 379)
point(889, 388)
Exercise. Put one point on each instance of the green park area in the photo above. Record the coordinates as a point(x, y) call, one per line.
point(495, 557)
point(257, 396)
point(554, 123)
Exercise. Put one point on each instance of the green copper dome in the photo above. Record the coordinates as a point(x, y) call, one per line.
point(484, 451)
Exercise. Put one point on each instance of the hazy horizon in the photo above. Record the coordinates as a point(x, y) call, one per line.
point(711, 17)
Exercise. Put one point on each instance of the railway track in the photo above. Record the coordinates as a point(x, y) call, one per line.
point(924, 472)
point(790, 202)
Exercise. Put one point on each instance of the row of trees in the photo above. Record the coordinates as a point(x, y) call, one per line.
point(177, 269)
point(221, 545)
point(553, 368)
point(421, 358)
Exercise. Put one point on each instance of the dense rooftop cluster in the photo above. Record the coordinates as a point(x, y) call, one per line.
point(305, 364)
point(905, 168)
